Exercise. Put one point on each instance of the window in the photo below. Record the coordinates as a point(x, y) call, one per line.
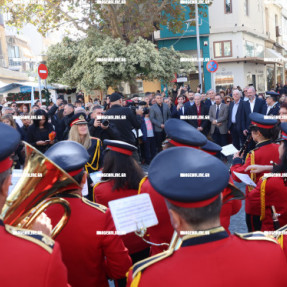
point(249, 49)
point(246, 10)
point(259, 51)
point(140, 85)
point(227, 6)
point(222, 49)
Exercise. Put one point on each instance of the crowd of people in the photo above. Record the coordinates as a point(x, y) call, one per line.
point(175, 133)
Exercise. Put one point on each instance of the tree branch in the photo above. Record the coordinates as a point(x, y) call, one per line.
point(114, 21)
point(66, 15)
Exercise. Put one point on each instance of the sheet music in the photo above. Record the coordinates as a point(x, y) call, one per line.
point(133, 212)
point(245, 178)
point(229, 150)
point(96, 176)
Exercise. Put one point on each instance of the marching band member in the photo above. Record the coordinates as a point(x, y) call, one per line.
point(263, 131)
point(180, 133)
point(194, 204)
point(271, 191)
point(79, 132)
point(91, 250)
point(27, 259)
point(118, 160)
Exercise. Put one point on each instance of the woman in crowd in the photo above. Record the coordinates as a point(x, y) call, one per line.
point(19, 155)
point(41, 133)
point(118, 160)
point(25, 109)
point(228, 92)
point(79, 132)
point(222, 94)
point(227, 100)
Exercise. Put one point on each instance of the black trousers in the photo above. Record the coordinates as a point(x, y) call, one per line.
point(253, 222)
point(220, 139)
point(159, 138)
point(149, 149)
point(235, 134)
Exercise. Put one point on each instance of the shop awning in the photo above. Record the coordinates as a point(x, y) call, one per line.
point(272, 56)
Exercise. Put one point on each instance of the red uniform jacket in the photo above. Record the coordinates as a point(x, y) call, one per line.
point(30, 260)
point(89, 256)
point(103, 194)
point(215, 260)
point(262, 155)
point(271, 191)
point(162, 232)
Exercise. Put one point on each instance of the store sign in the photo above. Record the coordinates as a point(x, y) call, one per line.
point(25, 89)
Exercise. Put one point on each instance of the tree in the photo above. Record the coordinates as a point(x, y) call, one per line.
point(136, 18)
point(80, 63)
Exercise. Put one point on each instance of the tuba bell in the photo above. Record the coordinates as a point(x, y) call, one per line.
point(32, 195)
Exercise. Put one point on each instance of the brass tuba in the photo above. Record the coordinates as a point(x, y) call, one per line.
point(32, 195)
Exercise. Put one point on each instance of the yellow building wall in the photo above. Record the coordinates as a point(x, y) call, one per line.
point(151, 86)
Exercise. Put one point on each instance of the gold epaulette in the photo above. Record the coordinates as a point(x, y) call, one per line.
point(257, 235)
point(98, 206)
point(141, 183)
point(142, 265)
point(279, 233)
point(94, 138)
point(36, 237)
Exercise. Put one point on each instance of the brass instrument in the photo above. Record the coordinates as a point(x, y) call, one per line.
point(32, 195)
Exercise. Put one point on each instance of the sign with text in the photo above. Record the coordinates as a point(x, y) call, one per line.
point(43, 71)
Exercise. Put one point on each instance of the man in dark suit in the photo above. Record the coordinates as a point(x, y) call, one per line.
point(253, 105)
point(234, 118)
point(191, 100)
point(180, 108)
point(159, 114)
point(272, 106)
point(218, 116)
point(200, 113)
point(210, 98)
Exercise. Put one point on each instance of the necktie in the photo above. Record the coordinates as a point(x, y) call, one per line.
point(217, 111)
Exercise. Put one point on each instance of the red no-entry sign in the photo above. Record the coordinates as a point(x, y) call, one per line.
point(43, 71)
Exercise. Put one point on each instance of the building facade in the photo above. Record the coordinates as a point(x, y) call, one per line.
point(246, 40)
point(186, 43)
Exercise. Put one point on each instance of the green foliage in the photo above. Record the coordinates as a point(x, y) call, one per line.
point(136, 18)
point(76, 63)
point(46, 95)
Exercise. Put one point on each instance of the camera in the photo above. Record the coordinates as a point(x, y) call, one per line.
point(105, 123)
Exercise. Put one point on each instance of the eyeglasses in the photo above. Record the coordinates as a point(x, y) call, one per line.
point(227, 101)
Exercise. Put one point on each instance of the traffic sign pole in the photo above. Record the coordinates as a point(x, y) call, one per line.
point(40, 89)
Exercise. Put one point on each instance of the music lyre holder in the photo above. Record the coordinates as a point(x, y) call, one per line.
point(141, 232)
